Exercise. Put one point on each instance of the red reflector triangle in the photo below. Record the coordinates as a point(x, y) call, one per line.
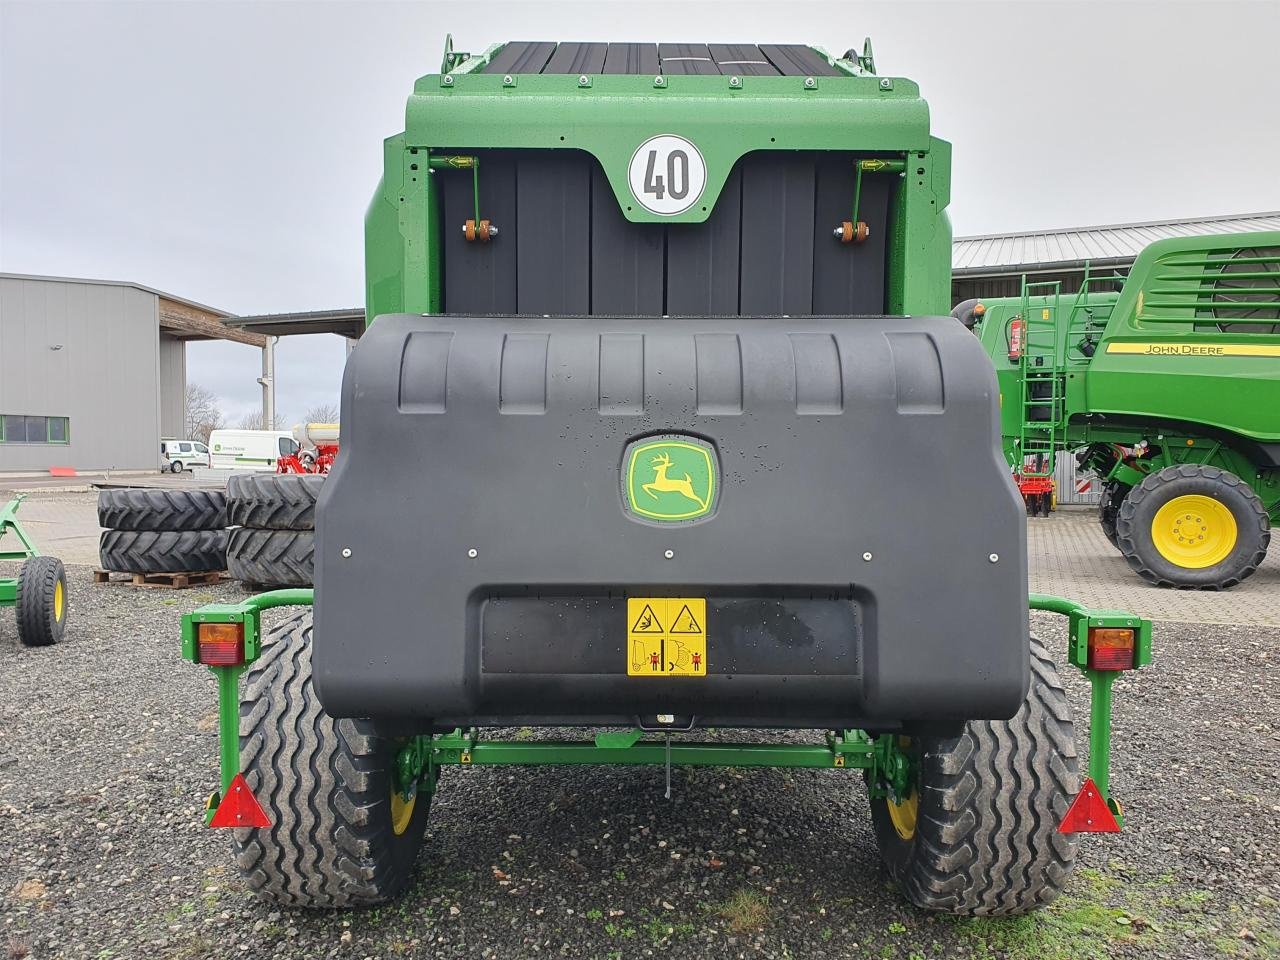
point(1088, 813)
point(239, 808)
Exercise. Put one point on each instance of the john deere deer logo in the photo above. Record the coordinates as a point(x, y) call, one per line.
point(670, 478)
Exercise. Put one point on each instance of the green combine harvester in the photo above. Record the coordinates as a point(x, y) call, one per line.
point(38, 593)
point(1167, 382)
point(650, 324)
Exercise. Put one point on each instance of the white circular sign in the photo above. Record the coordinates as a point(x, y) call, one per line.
point(667, 174)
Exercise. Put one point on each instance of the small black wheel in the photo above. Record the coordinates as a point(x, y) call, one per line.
point(341, 834)
point(977, 834)
point(1193, 527)
point(41, 602)
point(1113, 494)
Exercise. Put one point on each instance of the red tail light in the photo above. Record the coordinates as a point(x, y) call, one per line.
point(220, 644)
point(1015, 338)
point(1111, 648)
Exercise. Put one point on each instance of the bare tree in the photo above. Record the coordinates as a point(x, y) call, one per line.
point(322, 413)
point(253, 421)
point(201, 413)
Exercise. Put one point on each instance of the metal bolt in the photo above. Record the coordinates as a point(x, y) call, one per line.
point(659, 81)
point(886, 84)
point(810, 82)
point(838, 233)
point(447, 81)
point(584, 80)
point(346, 552)
point(735, 81)
point(867, 556)
point(493, 231)
point(994, 558)
point(473, 553)
point(508, 80)
point(668, 554)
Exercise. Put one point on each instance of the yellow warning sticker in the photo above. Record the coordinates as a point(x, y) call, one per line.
point(667, 636)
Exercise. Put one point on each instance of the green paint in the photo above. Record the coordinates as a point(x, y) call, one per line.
point(26, 549)
point(670, 479)
point(1146, 359)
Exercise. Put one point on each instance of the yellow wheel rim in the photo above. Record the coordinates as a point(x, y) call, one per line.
point(1194, 531)
point(59, 600)
point(903, 815)
point(401, 811)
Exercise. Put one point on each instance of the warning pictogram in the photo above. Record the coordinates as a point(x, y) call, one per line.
point(655, 651)
point(685, 622)
point(647, 622)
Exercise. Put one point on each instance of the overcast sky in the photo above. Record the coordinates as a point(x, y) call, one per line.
point(225, 152)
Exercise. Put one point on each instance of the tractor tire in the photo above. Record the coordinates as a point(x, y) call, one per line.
point(162, 509)
point(273, 501)
point(1113, 495)
point(163, 551)
point(981, 838)
point(41, 603)
point(272, 558)
point(326, 786)
point(1193, 527)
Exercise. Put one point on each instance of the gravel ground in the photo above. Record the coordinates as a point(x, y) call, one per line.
point(107, 751)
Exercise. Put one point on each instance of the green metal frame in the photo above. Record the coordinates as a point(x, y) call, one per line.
point(892, 765)
point(9, 524)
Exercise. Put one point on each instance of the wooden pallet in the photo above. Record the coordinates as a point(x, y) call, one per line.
point(167, 581)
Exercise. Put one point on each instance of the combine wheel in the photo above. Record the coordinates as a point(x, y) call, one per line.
point(163, 551)
point(977, 835)
point(272, 558)
point(1113, 495)
point(1193, 527)
point(41, 602)
point(341, 833)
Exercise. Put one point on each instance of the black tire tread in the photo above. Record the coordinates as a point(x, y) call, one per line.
point(1125, 525)
point(273, 501)
point(37, 581)
point(991, 799)
point(1113, 495)
point(163, 551)
point(275, 558)
point(322, 783)
point(146, 509)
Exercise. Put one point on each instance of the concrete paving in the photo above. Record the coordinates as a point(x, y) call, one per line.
point(1067, 556)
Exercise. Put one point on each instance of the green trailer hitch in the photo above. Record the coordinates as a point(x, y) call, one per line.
point(227, 638)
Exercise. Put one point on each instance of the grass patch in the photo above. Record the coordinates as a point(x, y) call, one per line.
point(746, 911)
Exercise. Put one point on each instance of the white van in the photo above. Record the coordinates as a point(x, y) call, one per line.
point(250, 449)
point(184, 454)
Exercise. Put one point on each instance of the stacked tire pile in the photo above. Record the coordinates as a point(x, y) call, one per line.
point(273, 519)
point(163, 531)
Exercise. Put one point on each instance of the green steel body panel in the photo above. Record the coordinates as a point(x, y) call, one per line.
point(1167, 358)
point(609, 115)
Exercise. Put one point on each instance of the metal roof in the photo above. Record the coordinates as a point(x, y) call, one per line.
point(1013, 253)
point(347, 323)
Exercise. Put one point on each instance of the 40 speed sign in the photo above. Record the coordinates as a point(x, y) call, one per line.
point(667, 174)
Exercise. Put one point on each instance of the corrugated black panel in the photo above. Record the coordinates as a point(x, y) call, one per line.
point(626, 258)
point(480, 277)
point(638, 58)
point(848, 277)
point(565, 247)
point(777, 234)
point(521, 56)
point(702, 258)
point(577, 58)
point(741, 59)
point(797, 60)
point(553, 231)
point(686, 58)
